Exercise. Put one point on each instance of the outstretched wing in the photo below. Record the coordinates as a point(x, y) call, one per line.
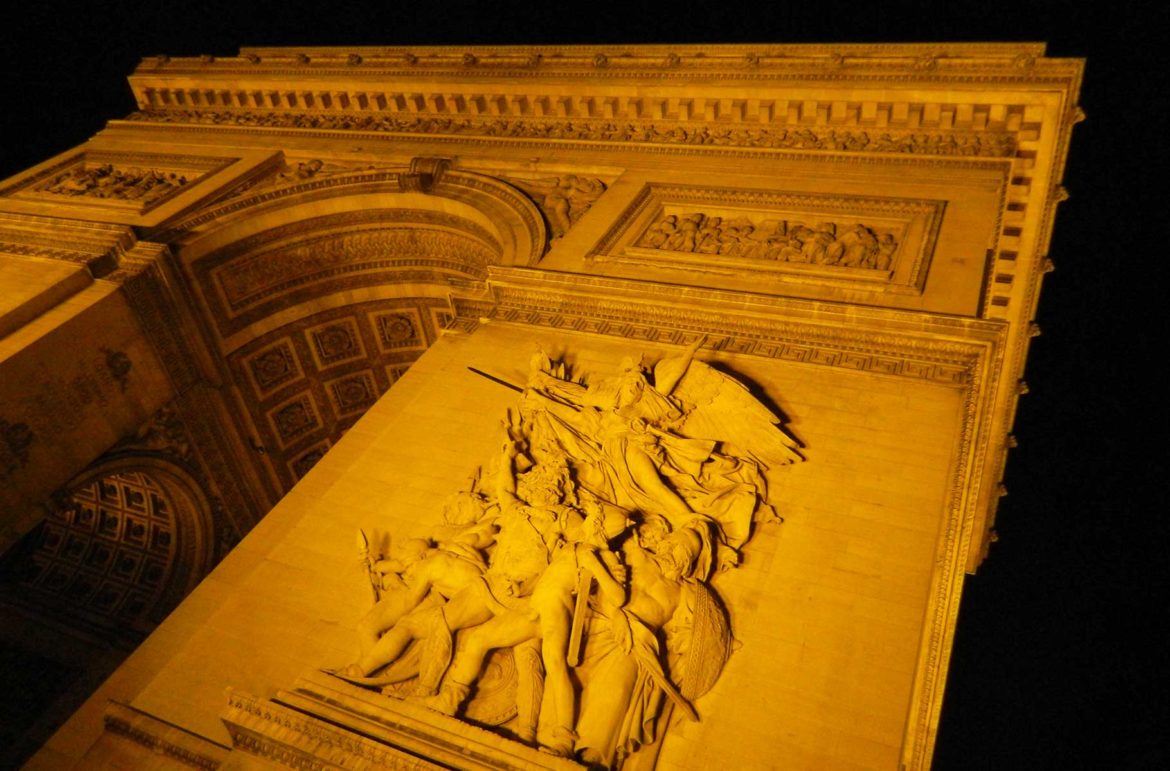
point(720, 408)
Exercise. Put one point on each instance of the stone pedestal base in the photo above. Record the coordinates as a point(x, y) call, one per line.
point(324, 722)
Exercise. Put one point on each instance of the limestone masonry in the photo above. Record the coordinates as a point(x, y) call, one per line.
point(626, 407)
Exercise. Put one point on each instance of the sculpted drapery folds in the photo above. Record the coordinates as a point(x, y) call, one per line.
point(588, 551)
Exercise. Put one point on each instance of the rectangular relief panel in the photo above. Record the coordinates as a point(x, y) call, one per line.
point(878, 244)
point(132, 182)
point(113, 185)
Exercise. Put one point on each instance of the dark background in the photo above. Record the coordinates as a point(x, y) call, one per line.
point(1058, 658)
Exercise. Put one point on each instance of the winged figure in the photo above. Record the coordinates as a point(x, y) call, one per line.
point(589, 563)
point(719, 407)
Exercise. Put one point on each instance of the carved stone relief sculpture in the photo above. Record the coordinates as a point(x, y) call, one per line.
point(773, 240)
point(108, 181)
point(117, 183)
point(563, 200)
point(821, 243)
point(568, 595)
point(962, 143)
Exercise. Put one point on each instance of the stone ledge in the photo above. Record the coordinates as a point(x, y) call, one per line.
point(325, 722)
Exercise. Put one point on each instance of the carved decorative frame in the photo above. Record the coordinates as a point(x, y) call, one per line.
point(186, 169)
point(37, 186)
point(520, 236)
point(164, 739)
point(170, 183)
point(916, 222)
point(323, 717)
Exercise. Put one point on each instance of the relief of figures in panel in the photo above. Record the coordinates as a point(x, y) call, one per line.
point(108, 181)
point(825, 243)
point(568, 593)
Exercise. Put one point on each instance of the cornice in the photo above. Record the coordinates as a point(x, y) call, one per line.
point(924, 62)
point(324, 722)
point(162, 738)
point(100, 247)
point(961, 100)
point(940, 349)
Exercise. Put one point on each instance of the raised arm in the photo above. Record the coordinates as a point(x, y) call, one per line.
point(669, 371)
point(506, 477)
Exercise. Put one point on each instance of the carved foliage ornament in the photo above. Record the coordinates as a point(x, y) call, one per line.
point(569, 594)
point(273, 367)
point(255, 277)
point(297, 172)
point(295, 418)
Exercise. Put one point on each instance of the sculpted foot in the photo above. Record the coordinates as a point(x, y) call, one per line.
point(353, 673)
point(447, 700)
point(352, 670)
point(560, 743)
point(418, 690)
point(591, 758)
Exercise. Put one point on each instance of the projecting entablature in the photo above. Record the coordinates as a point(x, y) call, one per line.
point(431, 294)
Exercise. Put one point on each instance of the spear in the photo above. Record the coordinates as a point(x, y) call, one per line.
point(496, 380)
point(518, 389)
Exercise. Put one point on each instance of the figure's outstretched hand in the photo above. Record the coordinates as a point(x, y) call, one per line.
point(511, 443)
point(728, 558)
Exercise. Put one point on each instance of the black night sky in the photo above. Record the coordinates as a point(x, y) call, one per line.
point(1058, 661)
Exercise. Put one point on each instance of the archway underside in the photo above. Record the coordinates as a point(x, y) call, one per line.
point(306, 382)
point(108, 554)
point(314, 315)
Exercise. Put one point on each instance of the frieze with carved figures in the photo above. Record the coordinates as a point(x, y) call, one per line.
point(961, 143)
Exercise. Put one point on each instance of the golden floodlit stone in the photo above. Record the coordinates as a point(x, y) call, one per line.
point(635, 407)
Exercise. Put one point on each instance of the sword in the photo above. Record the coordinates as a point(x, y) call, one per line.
point(580, 609)
point(363, 545)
